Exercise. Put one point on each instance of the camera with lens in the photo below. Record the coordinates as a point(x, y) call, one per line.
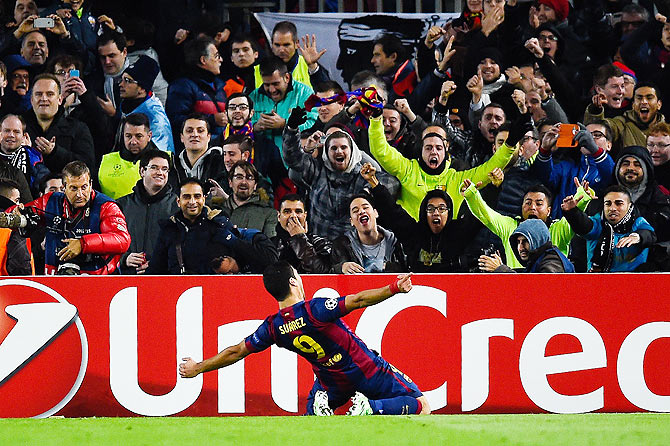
point(488, 251)
point(68, 269)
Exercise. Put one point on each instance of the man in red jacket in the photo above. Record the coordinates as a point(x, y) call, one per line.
point(86, 230)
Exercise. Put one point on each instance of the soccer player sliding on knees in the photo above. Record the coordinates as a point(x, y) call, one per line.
point(344, 366)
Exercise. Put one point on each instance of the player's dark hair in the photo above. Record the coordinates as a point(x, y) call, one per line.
point(506, 127)
point(542, 189)
point(492, 105)
point(276, 279)
point(150, 154)
point(648, 84)
point(63, 59)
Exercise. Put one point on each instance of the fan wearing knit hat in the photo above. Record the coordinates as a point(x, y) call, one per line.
point(552, 11)
point(137, 97)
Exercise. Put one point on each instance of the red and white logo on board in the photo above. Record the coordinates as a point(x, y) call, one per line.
point(43, 350)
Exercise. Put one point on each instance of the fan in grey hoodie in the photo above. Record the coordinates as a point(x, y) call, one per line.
point(331, 180)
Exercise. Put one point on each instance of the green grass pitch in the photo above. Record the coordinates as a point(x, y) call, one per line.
point(473, 430)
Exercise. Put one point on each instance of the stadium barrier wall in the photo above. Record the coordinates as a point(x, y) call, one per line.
point(110, 346)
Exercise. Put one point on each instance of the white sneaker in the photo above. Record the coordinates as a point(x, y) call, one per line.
point(360, 405)
point(320, 405)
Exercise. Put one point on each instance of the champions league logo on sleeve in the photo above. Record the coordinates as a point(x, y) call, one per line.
point(331, 303)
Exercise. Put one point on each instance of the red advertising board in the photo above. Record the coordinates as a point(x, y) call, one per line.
point(110, 346)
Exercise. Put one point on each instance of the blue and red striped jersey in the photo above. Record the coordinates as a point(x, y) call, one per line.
point(313, 329)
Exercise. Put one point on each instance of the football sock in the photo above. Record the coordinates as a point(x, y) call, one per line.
point(400, 405)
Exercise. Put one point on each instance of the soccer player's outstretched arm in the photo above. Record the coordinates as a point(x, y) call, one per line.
point(371, 297)
point(189, 368)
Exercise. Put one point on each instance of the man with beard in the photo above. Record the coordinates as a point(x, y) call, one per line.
point(137, 97)
point(632, 128)
point(239, 111)
point(366, 247)
point(434, 244)
point(432, 169)
point(533, 249)
point(618, 238)
point(118, 171)
point(536, 205)
point(306, 252)
point(150, 202)
point(247, 207)
point(635, 173)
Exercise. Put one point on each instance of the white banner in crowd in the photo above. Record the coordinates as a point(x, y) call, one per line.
point(348, 38)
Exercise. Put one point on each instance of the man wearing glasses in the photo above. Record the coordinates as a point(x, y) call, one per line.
point(151, 201)
point(248, 206)
point(137, 97)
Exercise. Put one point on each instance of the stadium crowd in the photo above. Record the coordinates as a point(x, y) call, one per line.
point(518, 137)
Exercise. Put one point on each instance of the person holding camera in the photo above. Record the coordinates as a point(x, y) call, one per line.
point(86, 230)
point(532, 247)
point(587, 158)
point(536, 205)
